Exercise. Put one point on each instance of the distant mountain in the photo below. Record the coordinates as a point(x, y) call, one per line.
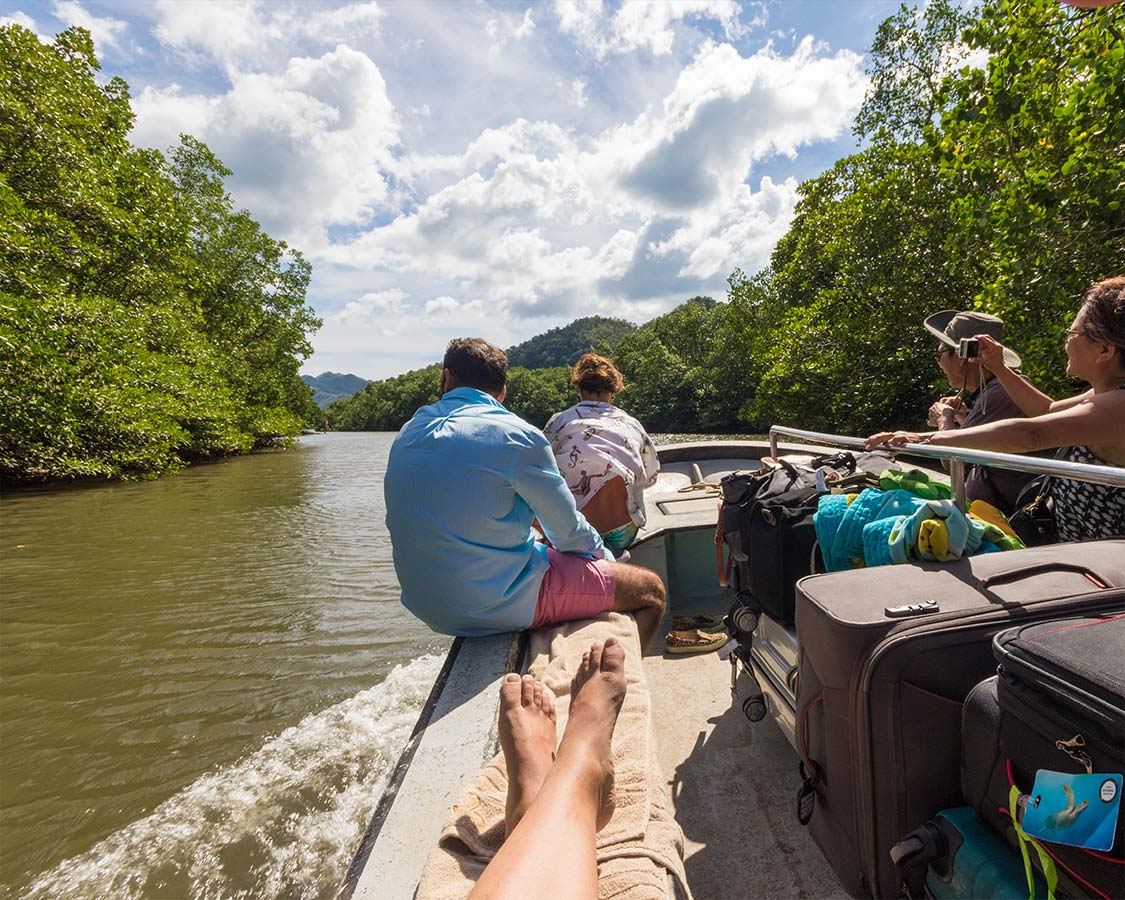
point(562, 346)
point(331, 386)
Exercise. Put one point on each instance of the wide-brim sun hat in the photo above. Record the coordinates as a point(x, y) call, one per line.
point(950, 325)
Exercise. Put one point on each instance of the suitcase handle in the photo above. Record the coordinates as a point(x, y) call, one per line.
point(985, 585)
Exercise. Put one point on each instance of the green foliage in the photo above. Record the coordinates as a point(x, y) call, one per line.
point(670, 367)
point(537, 394)
point(144, 322)
point(562, 346)
point(998, 189)
point(386, 405)
point(851, 282)
point(1038, 141)
point(912, 52)
point(533, 394)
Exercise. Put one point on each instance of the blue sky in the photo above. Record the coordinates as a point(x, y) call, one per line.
point(495, 169)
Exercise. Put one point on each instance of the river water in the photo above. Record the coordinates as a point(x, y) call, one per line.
point(204, 680)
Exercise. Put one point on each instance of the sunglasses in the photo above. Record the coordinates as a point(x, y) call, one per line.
point(941, 353)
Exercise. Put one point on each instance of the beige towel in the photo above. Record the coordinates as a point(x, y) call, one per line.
point(642, 842)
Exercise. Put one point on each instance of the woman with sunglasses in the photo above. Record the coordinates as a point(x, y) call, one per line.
point(1090, 427)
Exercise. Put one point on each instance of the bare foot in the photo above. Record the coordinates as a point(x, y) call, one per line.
point(596, 695)
point(527, 735)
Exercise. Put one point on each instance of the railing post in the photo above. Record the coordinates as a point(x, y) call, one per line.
point(957, 481)
point(773, 444)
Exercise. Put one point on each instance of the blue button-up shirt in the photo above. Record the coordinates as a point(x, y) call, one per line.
point(464, 481)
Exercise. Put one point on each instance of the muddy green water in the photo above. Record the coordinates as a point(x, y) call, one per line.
point(194, 691)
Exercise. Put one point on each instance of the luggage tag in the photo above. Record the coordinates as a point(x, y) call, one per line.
point(1076, 810)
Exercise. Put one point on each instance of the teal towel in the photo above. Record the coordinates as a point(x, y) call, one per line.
point(871, 505)
point(849, 536)
point(829, 514)
point(877, 537)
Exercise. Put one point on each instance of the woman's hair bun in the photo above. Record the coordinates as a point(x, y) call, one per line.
point(596, 375)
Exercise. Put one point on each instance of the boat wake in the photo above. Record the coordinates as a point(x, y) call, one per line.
point(282, 822)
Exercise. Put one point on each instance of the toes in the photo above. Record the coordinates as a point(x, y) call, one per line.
point(549, 704)
point(613, 656)
point(537, 695)
point(596, 650)
point(510, 690)
point(527, 690)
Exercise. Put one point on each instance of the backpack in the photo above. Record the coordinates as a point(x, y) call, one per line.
point(766, 522)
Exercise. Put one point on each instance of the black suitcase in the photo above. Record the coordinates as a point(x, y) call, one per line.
point(880, 698)
point(766, 520)
point(1058, 705)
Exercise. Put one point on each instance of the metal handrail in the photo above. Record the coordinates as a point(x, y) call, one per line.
point(959, 457)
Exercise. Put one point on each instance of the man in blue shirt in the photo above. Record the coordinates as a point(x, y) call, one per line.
point(465, 480)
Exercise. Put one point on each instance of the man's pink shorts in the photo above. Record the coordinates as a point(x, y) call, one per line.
point(573, 588)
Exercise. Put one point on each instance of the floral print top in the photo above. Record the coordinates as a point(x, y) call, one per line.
point(595, 442)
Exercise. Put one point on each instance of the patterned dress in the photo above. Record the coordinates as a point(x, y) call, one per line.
point(595, 442)
point(1083, 510)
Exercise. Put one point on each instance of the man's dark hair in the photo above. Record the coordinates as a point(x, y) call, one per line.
point(475, 363)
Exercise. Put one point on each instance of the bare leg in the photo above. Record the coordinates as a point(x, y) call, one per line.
point(527, 734)
point(639, 591)
point(551, 853)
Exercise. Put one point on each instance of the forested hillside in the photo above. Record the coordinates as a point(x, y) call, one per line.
point(562, 346)
point(144, 321)
point(328, 387)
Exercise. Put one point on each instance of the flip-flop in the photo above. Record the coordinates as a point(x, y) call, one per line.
point(701, 642)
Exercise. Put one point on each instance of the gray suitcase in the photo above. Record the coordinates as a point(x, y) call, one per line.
point(879, 698)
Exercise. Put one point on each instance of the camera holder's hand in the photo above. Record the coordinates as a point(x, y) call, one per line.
point(991, 353)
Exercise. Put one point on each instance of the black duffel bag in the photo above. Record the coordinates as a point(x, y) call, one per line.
point(766, 521)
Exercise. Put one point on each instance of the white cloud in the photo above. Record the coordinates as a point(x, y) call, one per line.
point(24, 20)
point(234, 32)
point(220, 28)
point(726, 112)
point(542, 223)
point(501, 201)
point(744, 229)
point(18, 18)
point(371, 305)
point(639, 23)
point(309, 145)
point(449, 306)
point(578, 93)
point(106, 32)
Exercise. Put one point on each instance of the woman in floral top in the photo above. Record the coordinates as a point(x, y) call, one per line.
point(604, 454)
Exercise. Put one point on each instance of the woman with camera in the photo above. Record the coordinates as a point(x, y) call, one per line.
point(1090, 427)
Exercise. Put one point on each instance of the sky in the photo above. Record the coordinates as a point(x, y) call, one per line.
point(473, 168)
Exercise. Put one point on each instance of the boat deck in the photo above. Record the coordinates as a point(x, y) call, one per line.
point(733, 787)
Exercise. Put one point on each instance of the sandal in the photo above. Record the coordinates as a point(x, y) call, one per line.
point(691, 623)
point(693, 641)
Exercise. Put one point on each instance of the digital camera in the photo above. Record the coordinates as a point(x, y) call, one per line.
point(968, 347)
